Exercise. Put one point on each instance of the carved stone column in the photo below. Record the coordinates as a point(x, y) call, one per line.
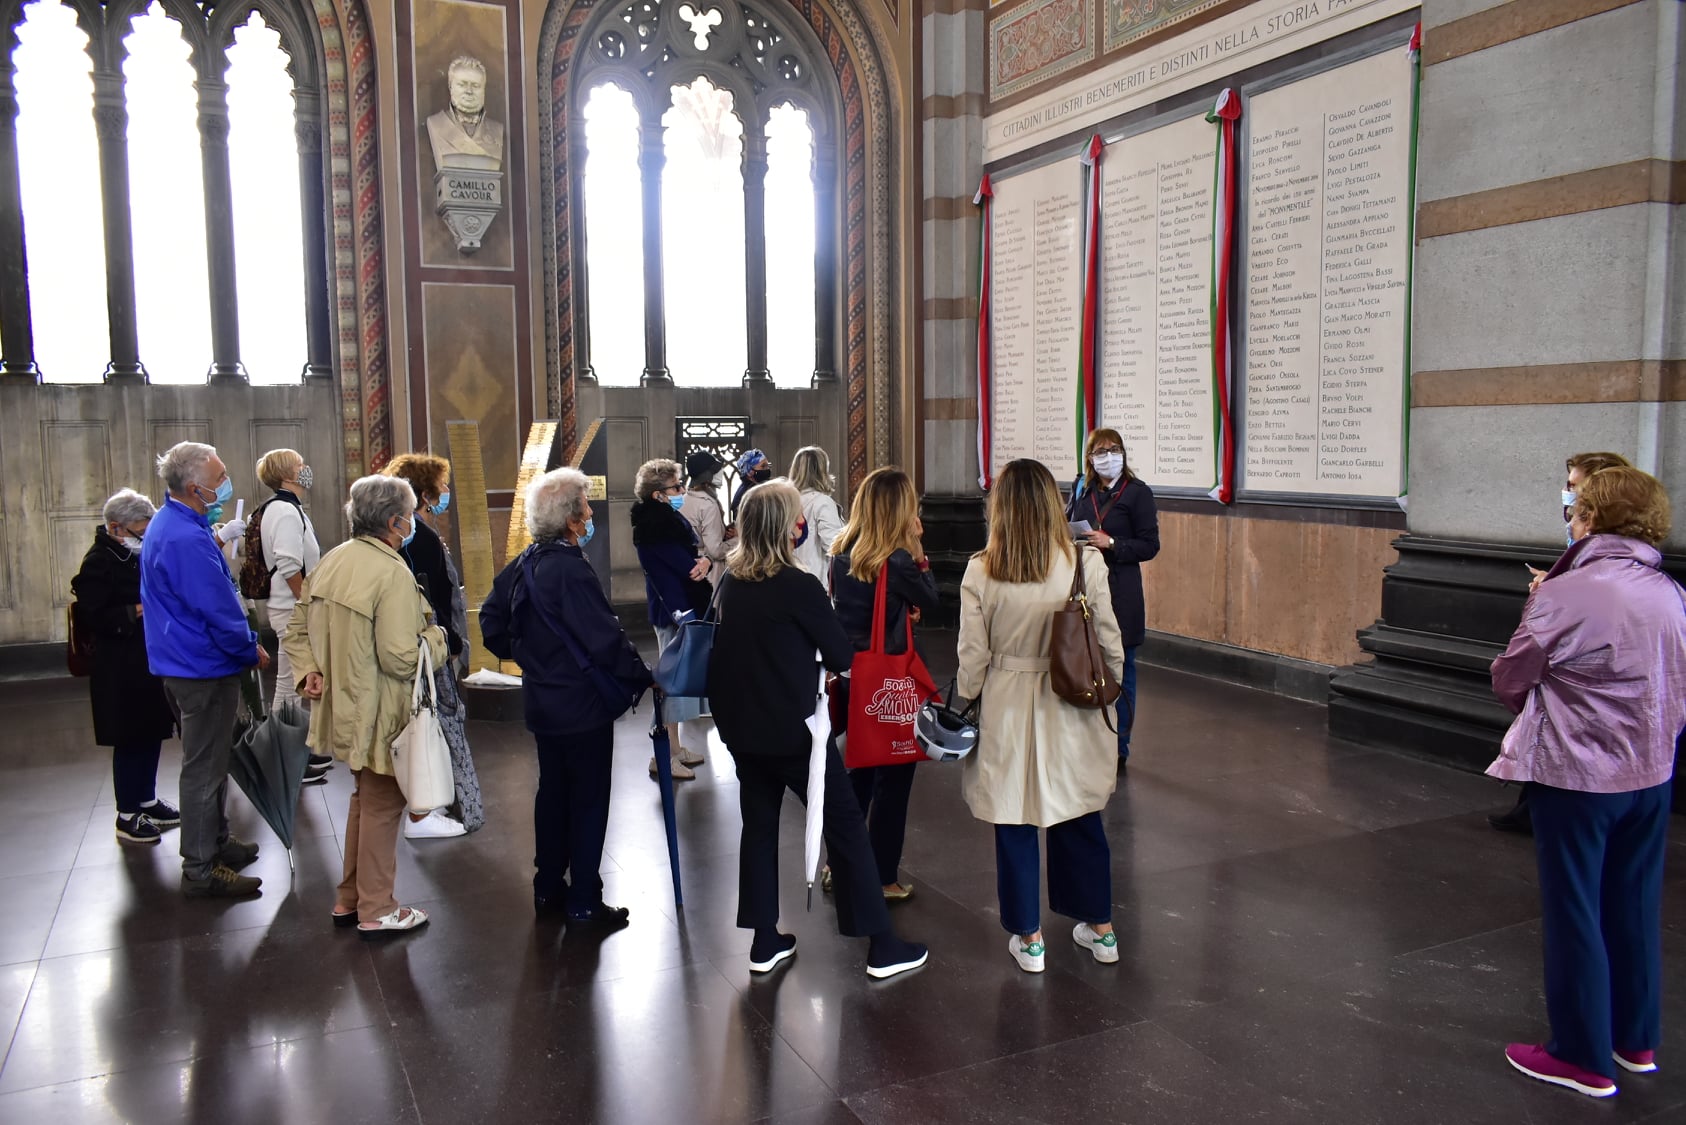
point(652, 157)
point(219, 229)
point(826, 263)
point(307, 125)
point(755, 254)
point(17, 338)
point(111, 121)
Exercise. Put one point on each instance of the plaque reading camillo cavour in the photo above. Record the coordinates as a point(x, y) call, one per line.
point(1328, 257)
point(1155, 314)
point(1037, 316)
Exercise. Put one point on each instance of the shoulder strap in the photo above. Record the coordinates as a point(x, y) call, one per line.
point(1078, 590)
point(591, 671)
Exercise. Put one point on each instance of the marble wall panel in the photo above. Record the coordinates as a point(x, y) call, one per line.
point(470, 349)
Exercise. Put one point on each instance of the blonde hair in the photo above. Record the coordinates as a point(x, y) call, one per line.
point(881, 522)
point(810, 470)
point(425, 473)
point(1589, 463)
point(651, 474)
point(1026, 524)
point(766, 524)
point(1091, 479)
point(1624, 501)
point(276, 466)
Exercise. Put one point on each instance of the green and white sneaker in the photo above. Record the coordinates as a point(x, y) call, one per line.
point(1103, 946)
point(1027, 954)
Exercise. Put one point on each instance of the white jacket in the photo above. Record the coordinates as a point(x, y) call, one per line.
point(290, 547)
point(824, 522)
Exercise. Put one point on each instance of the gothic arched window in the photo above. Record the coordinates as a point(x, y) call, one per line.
point(736, 262)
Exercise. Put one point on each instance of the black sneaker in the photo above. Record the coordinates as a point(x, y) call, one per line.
point(604, 915)
point(138, 829)
point(315, 775)
point(222, 882)
point(891, 955)
point(319, 760)
point(236, 854)
point(163, 814)
point(765, 960)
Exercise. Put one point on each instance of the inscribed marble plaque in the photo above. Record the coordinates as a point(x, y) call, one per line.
point(1156, 279)
point(1037, 316)
point(1328, 260)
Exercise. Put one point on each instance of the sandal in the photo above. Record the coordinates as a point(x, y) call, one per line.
point(400, 920)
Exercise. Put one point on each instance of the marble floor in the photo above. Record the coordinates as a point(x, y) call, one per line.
point(1311, 932)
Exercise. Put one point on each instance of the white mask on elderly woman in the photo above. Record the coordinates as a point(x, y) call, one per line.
point(1110, 466)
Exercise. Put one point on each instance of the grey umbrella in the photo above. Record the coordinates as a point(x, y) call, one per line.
point(268, 761)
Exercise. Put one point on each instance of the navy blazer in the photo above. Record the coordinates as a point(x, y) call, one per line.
point(1132, 519)
point(559, 696)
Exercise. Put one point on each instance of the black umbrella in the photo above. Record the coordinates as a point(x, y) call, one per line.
point(664, 782)
point(268, 762)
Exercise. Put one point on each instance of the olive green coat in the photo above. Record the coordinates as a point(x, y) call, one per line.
point(360, 621)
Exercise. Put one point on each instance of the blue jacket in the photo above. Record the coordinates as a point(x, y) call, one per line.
point(667, 550)
point(196, 628)
point(559, 696)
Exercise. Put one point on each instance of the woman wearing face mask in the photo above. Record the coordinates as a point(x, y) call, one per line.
point(430, 561)
point(131, 712)
point(1124, 525)
point(676, 584)
point(753, 468)
point(353, 642)
point(290, 554)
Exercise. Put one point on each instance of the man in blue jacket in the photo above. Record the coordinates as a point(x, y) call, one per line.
point(198, 640)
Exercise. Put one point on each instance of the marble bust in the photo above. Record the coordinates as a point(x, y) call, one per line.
point(462, 135)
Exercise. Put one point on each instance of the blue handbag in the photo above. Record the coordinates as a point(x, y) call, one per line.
point(682, 668)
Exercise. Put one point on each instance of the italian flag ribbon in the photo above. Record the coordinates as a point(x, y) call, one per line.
point(1414, 53)
point(1087, 413)
point(984, 199)
point(1225, 114)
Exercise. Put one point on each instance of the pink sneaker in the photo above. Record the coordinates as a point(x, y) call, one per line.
point(1532, 1060)
point(1639, 1062)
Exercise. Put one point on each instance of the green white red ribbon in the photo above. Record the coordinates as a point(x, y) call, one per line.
point(1225, 114)
point(1088, 416)
point(984, 200)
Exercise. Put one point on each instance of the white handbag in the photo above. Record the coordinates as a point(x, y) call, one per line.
point(421, 758)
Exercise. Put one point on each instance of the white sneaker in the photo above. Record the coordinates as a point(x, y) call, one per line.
point(1027, 954)
point(689, 757)
point(1103, 946)
point(434, 826)
point(681, 772)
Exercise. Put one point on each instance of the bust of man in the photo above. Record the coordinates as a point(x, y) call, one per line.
point(463, 137)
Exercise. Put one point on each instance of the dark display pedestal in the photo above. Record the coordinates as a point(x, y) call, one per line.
point(955, 529)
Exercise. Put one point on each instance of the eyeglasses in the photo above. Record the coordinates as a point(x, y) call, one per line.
point(675, 490)
point(1109, 449)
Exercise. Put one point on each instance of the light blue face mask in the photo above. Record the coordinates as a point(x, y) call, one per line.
point(1568, 498)
point(1569, 534)
point(225, 493)
point(676, 501)
point(585, 536)
point(410, 536)
point(444, 503)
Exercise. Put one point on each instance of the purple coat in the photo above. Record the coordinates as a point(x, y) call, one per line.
point(1596, 673)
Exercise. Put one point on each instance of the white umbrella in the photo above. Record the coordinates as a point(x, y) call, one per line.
point(819, 729)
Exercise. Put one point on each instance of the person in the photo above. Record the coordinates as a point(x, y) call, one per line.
point(572, 721)
point(290, 552)
point(676, 585)
point(810, 472)
point(702, 510)
point(1596, 675)
point(1579, 466)
point(199, 642)
point(1124, 524)
point(753, 468)
point(132, 715)
point(429, 559)
point(880, 543)
point(763, 682)
point(355, 641)
point(1040, 763)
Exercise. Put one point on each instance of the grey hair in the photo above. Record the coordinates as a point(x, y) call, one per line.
point(127, 506)
point(651, 474)
point(184, 463)
point(375, 501)
point(554, 500)
point(466, 62)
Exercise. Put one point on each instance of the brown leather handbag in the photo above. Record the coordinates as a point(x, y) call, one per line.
point(1077, 667)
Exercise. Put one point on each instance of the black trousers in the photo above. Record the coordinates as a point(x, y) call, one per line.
point(571, 815)
point(762, 781)
point(883, 792)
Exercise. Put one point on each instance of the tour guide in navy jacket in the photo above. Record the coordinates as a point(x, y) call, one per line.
point(198, 640)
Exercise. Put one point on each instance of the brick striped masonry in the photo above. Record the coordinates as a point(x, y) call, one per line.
point(557, 42)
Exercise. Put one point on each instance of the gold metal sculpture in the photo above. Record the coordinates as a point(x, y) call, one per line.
point(474, 529)
point(535, 462)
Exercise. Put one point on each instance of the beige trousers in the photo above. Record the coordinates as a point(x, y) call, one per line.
point(371, 847)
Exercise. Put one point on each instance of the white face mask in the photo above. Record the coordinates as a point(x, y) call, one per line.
point(1568, 498)
point(1109, 465)
point(132, 543)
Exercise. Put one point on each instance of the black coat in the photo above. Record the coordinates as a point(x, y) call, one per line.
point(426, 556)
point(128, 700)
point(1129, 515)
point(908, 586)
point(667, 550)
point(762, 680)
point(560, 697)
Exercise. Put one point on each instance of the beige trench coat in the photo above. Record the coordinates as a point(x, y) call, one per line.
point(1039, 760)
point(359, 622)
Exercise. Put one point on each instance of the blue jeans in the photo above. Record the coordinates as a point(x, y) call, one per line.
point(1127, 703)
point(1601, 882)
point(1079, 873)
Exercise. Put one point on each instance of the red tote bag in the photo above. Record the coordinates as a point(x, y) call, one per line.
point(885, 695)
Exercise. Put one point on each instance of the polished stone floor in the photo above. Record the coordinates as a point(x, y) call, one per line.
point(1311, 932)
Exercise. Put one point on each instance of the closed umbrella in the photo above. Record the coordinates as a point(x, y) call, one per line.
point(664, 782)
point(268, 761)
point(819, 731)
